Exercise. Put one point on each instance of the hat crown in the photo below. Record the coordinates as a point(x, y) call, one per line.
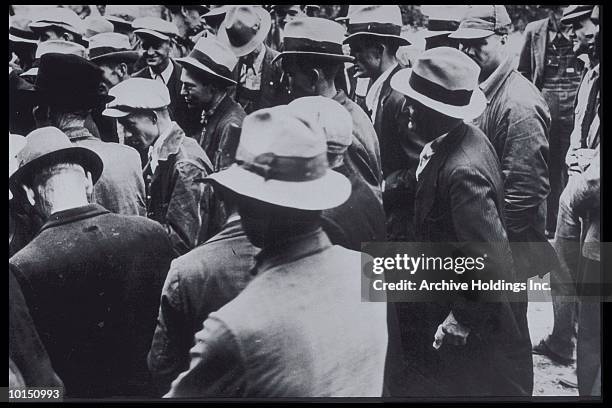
point(63, 17)
point(58, 72)
point(40, 142)
point(382, 14)
point(281, 132)
point(155, 24)
point(315, 29)
point(96, 25)
point(60, 47)
point(242, 24)
point(448, 68)
point(116, 41)
point(139, 93)
point(216, 51)
point(335, 121)
point(577, 11)
point(493, 18)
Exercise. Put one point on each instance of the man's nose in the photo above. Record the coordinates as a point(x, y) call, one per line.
point(150, 50)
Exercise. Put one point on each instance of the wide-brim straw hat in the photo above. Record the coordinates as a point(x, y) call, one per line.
point(111, 47)
point(445, 80)
point(211, 57)
point(244, 28)
point(376, 21)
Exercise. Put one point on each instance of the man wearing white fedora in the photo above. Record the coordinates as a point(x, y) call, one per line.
point(374, 37)
point(311, 61)
point(244, 31)
point(479, 347)
point(299, 329)
point(206, 81)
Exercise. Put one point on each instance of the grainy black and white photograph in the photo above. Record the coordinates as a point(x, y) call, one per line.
point(239, 202)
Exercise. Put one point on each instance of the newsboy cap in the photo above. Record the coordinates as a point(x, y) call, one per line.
point(59, 17)
point(136, 94)
point(481, 21)
point(96, 25)
point(156, 27)
point(576, 12)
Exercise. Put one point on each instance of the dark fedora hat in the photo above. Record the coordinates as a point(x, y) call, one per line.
point(48, 146)
point(68, 80)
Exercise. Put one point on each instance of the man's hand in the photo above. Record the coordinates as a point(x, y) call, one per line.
point(452, 332)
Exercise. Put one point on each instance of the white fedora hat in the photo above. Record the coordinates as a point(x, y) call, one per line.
point(445, 80)
point(111, 46)
point(376, 21)
point(212, 57)
point(156, 27)
point(282, 160)
point(442, 20)
point(60, 17)
point(314, 36)
point(244, 28)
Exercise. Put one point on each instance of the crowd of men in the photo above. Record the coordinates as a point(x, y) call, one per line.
point(189, 197)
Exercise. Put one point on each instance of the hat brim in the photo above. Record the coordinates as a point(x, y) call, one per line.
point(189, 62)
point(30, 72)
point(575, 16)
point(329, 191)
point(353, 37)
point(478, 103)
point(16, 39)
point(119, 22)
point(216, 12)
point(83, 156)
point(84, 100)
point(335, 57)
point(119, 55)
point(470, 33)
point(152, 33)
point(259, 38)
point(430, 34)
point(114, 113)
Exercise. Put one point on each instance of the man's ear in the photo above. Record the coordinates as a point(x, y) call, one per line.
point(123, 69)
point(88, 185)
point(29, 194)
point(315, 75)
point(183, 11)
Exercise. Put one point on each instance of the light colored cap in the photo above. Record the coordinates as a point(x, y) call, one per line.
point(16, 143)
point(136, 94)
point(383, 21)
point(445, 80)
point(282, 160)
point(111, 45)
point(334, 119)
point(97, 25)
point(57, 47)
point(213, 57)
point(61, 17)
point(481, 21)
point(155, 26)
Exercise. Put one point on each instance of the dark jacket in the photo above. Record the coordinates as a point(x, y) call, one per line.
point(92, 281)
point(199, 282)
point(270, 93)
point(363, 155)
point(188, 119)
point(175, 197)
point(517, 121)
point(459, 200)
point(533, 52)
point(215, 138)
point(359, 219)
point(121, 188)
point(25, 348)
point(299, 329)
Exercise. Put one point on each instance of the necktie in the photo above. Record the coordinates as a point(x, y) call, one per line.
point(589, 113)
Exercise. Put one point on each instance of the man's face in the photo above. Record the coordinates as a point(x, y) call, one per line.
point(486, 52)
point(140, 131)
point(51, 33)
point(583, 35)
point(367, 58)
point(287, 14)
point(196, 94)
point(192, 20)
point(112, 74)
point(156, 51)
point(299, 82)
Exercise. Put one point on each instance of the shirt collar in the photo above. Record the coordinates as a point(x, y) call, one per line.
point(258, 63)
point(78, 133)
point(374, 92)
point(291, 250)
point(493, 83)
point(207, 114)
point(166, 73)
point(73, 214)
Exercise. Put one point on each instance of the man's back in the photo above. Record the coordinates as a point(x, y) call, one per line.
point(92, 281)
point(298, 329)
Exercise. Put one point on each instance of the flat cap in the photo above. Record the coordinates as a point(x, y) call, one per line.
point(136, 94)
point(481, 21)
point(162, 29)
point(97, 25)
point(60, 17)
point(575, 12)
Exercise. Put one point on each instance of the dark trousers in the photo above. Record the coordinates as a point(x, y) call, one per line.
point(561, 106)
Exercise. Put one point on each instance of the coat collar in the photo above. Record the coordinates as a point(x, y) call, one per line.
point(78, 133)
point(73, 214)
point(292, 250)
point(172, 143)
point(494, 82)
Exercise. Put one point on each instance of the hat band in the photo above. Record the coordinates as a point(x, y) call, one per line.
point(442, 25)
point(309, 45)
point(459, 97)
point(26, 35)
point(282, 168)
point(206, 60)
point(98, 51)
point(375, 28)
